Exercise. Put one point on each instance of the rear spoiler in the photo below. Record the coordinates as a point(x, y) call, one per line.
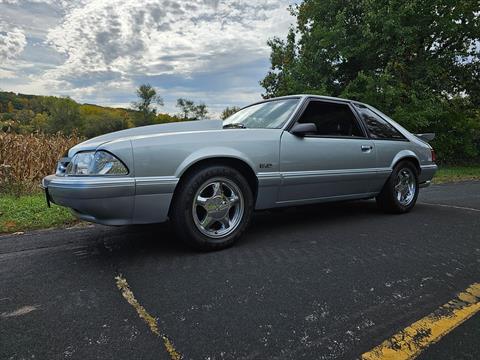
point(426, 137)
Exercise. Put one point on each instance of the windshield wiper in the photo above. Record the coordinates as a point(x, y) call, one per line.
point(234, 126)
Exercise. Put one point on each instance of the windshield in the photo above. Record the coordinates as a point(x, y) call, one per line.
point(267, 115)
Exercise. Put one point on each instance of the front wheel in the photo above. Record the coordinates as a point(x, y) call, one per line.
point(212, 208)
point(400, 192)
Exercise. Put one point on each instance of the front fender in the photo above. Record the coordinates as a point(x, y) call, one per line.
point(210, 153)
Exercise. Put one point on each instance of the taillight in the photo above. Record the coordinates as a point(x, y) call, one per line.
point(434, 156)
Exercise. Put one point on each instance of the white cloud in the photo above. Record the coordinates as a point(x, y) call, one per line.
point(156, 37)
point(7, 74)
point(12, 44)
point(61, 3)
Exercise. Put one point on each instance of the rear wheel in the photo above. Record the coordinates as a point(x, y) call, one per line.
point(212, 208)
point(400, 192)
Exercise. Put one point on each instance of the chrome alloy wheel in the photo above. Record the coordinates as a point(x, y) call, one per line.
point(405, 187)
point(218, 207)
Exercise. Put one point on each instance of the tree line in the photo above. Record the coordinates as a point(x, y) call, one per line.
point(20, 113)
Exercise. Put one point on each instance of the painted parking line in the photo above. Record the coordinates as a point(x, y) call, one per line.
point(450, 206)
point(411, 341)
point(152, 323)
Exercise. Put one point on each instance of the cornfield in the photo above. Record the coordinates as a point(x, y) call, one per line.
point(26, 159)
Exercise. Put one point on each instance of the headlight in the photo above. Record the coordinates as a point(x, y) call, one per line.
point(95, 163)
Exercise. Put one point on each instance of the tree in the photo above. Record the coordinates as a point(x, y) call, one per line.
point(24, 117)
point(40, 122)
point(416, 60)
point(64, 115)
point(148, 98)
point(200, 112)
point(98, 120)
point(229, 111)
point(95, 125)
point(190, 111)
point(186, 108)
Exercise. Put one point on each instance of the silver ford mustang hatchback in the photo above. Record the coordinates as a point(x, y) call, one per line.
point(208, 177)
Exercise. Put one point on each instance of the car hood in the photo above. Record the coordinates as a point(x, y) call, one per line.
point(177, 127)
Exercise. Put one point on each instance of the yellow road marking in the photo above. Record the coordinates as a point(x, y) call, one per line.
point(409, 343)
point(124, 288)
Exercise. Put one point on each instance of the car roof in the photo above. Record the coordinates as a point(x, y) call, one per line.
point(303, 96)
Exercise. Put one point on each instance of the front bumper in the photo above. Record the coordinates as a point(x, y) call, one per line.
point(113, 200)
point(108, 201)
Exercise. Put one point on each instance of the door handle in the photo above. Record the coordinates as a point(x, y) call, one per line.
point(367, 148)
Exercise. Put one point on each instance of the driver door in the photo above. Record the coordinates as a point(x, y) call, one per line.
point(338, 161)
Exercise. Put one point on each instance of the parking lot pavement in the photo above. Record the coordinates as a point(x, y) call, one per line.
point(318, 282)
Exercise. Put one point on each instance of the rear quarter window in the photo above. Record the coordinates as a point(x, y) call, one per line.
point(378, 127)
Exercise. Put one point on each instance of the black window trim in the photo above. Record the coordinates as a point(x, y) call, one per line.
point(404, 139)
point(341, 102)
point(287, 97)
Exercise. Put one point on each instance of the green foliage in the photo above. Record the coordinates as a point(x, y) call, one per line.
point(99, 120)
point(9, 102)
point(64, 114)
point(186, 107)
point(166, 118)
point(416, 60)
point(190, 111)
point(39, 122)
point(148, 98)
point(229, 111)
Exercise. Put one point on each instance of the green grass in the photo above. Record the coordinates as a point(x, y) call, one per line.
point(28, 212)
point(456, 173)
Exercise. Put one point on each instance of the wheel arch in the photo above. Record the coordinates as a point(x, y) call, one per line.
point(407, 155)
point(234, 162)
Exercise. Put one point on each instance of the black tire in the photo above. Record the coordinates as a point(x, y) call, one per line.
point(388, 200)
point(182, 211)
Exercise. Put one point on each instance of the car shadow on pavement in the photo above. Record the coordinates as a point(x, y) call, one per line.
point(160, 239)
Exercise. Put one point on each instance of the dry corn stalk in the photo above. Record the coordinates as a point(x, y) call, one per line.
point(26, 159)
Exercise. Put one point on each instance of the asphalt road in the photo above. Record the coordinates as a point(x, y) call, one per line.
point(316, 282)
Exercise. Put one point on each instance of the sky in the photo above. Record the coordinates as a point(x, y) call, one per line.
point(100, 51)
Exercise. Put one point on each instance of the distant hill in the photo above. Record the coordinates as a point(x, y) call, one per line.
point(23, 113)
point(14, 101)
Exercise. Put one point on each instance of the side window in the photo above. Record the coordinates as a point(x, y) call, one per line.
point(332, 119)
point(378, 127)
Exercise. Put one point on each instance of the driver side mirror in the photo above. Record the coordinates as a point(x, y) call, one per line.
point(304, 129)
